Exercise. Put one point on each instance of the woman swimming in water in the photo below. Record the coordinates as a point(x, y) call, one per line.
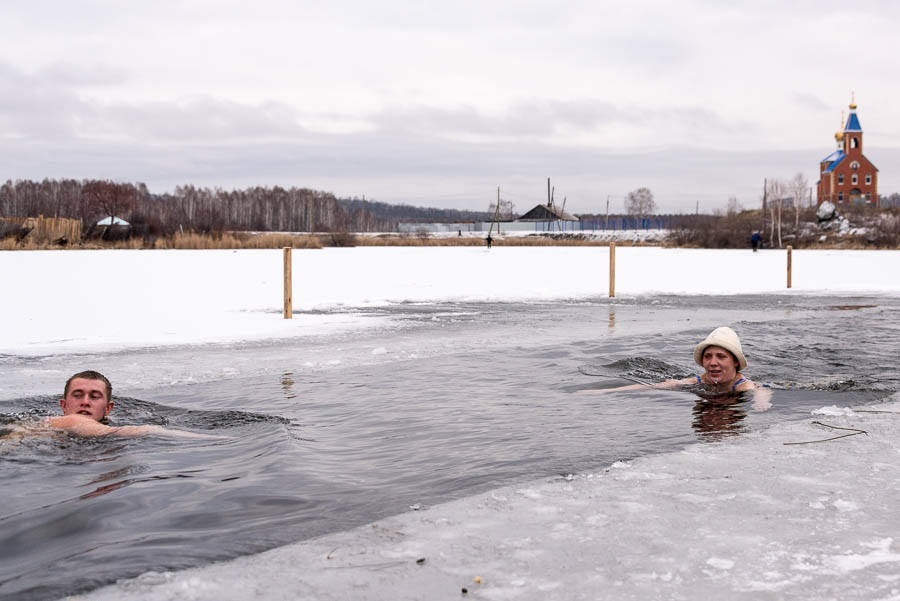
point(722, 359)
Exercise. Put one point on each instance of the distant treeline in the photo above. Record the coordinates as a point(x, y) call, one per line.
point(891, 200)
point(410, 214)
point(213, 209)
point(188, 208)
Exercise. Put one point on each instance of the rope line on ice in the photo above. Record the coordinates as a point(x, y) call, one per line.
point(854, 432)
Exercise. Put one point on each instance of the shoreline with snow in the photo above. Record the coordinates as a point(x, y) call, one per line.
point(750, 517)
point(64, 302)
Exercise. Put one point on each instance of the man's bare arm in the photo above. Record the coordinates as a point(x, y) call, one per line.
point(84, 426)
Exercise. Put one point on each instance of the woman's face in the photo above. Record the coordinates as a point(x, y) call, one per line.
point(719, 364)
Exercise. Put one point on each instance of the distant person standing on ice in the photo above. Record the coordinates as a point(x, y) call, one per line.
point(489, 241)
point(756, 240)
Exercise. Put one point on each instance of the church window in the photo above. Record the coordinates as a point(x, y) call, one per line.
point(840, 197)
point(854, 165)
point(854, 142)
point(840, 179)
point(868, 179)
point(854, 179)
point(868, 197)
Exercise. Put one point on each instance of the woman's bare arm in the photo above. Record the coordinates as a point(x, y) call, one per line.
point(667, 384)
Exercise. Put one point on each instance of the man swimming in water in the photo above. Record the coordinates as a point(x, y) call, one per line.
point(87, 401)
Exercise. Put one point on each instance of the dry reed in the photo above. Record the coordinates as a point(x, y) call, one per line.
point(237, 241)
point(176, 241)
point(389, 240)
point(29, 244)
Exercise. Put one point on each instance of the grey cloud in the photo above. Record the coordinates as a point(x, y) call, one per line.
point(801, 9)
point(462, 15)
point(651, 53)
point(541, 119)
point(34, 106)
point(47, 106)
point(75, 75)
point(522, 120)
point(199, 120)
point(811, 101)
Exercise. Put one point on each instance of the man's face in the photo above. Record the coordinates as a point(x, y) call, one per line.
point(88, 398)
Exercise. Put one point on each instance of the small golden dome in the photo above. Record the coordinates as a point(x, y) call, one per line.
point(853, 106)
point(838, 135)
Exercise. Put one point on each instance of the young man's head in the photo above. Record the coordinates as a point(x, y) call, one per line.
point(87, 393)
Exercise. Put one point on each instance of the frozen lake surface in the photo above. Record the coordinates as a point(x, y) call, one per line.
point(415, 404)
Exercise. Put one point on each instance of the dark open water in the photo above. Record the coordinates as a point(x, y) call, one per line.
point(447, 401)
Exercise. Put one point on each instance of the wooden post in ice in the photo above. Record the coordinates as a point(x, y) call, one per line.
point(612, 269)
point(288, 288)
point(789, 249)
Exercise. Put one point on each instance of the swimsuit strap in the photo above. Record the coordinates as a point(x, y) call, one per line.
point(733, 386)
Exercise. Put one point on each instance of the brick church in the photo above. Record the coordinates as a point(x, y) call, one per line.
point(846, 175)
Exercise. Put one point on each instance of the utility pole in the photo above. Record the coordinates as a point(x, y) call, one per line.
point(697, 210)
point(606, 227)
point(765, 191)
point(496, 215)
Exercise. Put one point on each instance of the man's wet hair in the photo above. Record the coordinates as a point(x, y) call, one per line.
point(90, 375)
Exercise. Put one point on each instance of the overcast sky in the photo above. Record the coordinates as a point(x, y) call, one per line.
point(439, 103)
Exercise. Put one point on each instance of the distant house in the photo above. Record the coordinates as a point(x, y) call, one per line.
point(110, 228)
point(846, 175)
point(112, 221)
point(546, 212)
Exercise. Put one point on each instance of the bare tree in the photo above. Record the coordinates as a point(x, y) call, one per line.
point(108, 197)
point(734, 206)
point(640, 202)
point(507, 211)
point(798, 186)
point(776, 190)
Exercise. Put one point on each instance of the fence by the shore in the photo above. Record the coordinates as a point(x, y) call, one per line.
point(614, 223)
point(44, 229)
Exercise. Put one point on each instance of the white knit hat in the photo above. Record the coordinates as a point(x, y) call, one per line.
point(726, 338)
